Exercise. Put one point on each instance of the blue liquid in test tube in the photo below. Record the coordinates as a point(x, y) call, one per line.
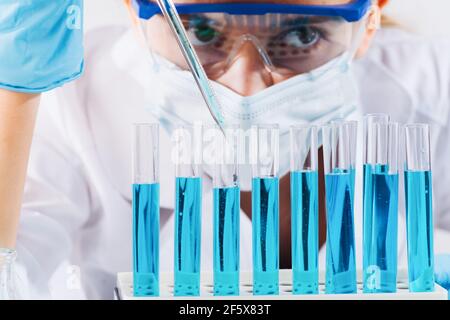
point(305, 233)
point(380, 229)
point(419, 217)
point(265, 198)
point(187, 236)
point(340, 261)
point(146, 239)
point(226, 241)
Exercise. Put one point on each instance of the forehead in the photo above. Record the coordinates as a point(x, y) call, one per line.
point(311, 2)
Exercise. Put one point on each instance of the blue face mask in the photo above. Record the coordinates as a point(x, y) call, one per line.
point(41, 44)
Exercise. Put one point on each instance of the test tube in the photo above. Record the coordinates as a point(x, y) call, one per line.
point(380, 208)
point(265, 208)
point(304, 209)
point(419, 208)
point(339, 147)
point(226, 204)
point(146, 209)
point(188, 203)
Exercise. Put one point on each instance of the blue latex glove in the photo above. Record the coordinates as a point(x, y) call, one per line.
point(442, 271)
point(40, 44)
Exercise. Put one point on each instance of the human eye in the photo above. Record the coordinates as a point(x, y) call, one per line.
point(201, 32)
point(302, 37)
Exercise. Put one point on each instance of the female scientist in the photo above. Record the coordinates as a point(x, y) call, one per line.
point(77, 201)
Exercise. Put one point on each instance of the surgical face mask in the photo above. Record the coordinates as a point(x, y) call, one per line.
point(323, 95)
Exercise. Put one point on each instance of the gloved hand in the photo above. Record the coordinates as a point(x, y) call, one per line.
point(40, 44)
point(442, 271)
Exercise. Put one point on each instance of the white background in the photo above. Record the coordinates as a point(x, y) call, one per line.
point(427, 17)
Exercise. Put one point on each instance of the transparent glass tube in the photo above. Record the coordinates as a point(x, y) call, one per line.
point(226, 204)
point(304, 209)
point(380, 207)
point(188, 154)
point(265, 208)
point(368, 121)
point(339, 147)
point(419, 208)
point(146, 209)
point(7, 284)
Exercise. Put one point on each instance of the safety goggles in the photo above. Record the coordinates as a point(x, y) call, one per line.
point(288, 39)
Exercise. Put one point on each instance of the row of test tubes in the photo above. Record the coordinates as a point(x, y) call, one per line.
point(338, 139)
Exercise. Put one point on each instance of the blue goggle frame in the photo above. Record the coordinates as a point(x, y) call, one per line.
point(351, 12)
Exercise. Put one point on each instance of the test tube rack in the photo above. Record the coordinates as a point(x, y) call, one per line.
point(124, 289)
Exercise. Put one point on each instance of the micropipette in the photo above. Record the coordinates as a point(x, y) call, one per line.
point(170, 12)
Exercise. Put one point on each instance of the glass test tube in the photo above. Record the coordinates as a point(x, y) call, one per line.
point(188, 202)
point(265, 208)
point(368, 122)
point(380, 208)
point(8, 287)
point(339, 147)
point(226, 204)
point(146, 210)
point(304, 209)
point(419, 208)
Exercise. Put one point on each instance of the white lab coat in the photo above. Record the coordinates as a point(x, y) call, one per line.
point(77, 204)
